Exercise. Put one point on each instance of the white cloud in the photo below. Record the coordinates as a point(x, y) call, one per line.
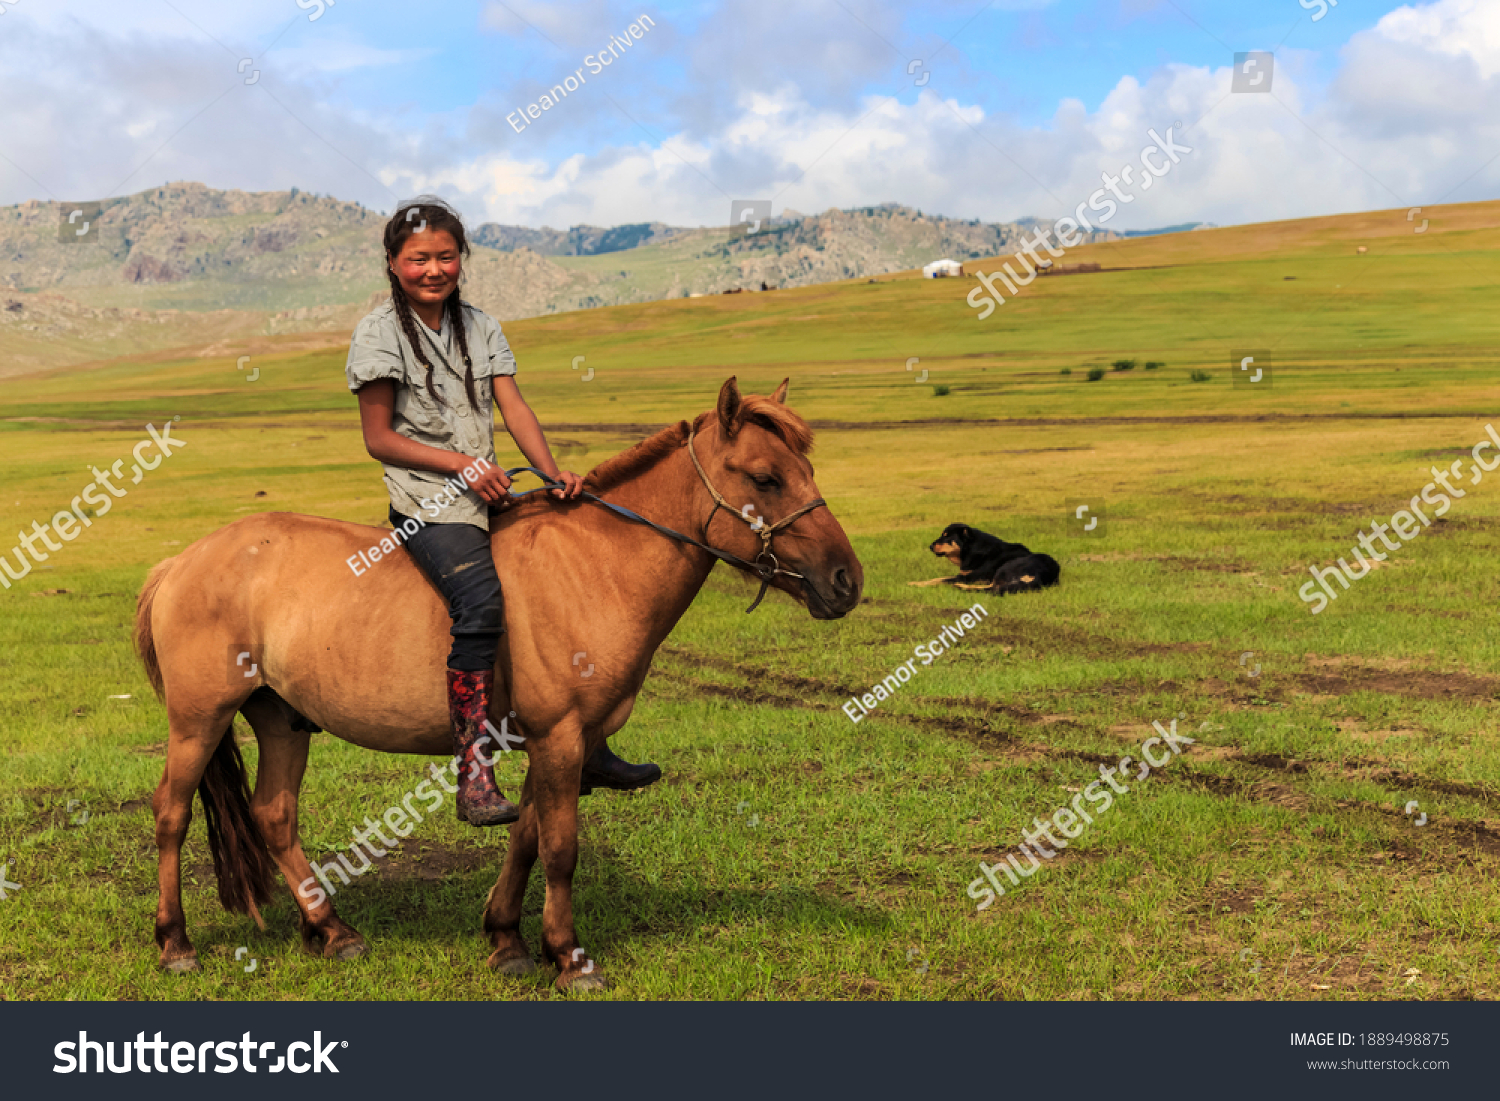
point(1255, 157)
point(1456, 28)
point(1412, 112)
point(138, 110)
point(1400, 124)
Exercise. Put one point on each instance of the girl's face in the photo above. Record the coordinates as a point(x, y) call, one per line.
point(428, 266)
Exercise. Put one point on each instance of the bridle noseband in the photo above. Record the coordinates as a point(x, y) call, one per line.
point(766, 567)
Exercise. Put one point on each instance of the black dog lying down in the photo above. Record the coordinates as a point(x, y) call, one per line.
point(991, 564)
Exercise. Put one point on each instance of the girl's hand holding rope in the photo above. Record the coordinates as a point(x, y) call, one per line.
point(492, 485)
point(571, 485)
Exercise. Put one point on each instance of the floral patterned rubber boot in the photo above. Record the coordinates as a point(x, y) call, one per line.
point(480, 802)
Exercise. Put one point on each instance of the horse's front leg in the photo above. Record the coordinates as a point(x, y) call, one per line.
point(556, 769)
point(502, 911)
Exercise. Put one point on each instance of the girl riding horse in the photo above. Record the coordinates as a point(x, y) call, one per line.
point(425, 368)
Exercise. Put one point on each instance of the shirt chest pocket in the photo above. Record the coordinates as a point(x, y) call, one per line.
point(430, 417)
point(452, 423)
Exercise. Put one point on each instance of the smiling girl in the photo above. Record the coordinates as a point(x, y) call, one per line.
point(425, 368)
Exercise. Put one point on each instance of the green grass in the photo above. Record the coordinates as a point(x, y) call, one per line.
point(789, 853)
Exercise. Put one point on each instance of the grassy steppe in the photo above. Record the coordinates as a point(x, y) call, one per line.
point(789, 853)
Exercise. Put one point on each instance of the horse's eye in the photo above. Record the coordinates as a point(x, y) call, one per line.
point(763, 481)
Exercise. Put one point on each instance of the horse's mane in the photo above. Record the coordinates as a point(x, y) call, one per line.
point(755, 409)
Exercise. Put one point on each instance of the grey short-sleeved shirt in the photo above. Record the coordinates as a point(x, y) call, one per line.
point(379, 349)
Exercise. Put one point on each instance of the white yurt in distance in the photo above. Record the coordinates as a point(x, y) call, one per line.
point(940, 269)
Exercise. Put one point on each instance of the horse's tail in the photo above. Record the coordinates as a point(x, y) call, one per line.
point(145, 641)
point(242, 862)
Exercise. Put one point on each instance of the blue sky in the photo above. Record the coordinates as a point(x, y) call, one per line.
point(1016, 59)
point(1015, 107)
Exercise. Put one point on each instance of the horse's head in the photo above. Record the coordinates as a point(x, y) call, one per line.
point(753, 451)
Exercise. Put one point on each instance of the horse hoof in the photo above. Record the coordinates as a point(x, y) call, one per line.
point(183, 966)
point(353, 951)
point(581, 984)
point(515, 965)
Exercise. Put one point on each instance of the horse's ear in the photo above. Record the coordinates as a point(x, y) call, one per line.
point(729, 406)
point(780, 395)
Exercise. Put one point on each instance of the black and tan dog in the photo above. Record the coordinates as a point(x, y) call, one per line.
point(990, 564)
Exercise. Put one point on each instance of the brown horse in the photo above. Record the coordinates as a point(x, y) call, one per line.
point(265, 617)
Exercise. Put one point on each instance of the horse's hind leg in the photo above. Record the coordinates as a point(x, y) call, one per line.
point(502, 911)
point(190, 745)
point(278, 778)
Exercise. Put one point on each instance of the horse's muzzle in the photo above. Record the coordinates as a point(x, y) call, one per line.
point(835, 596)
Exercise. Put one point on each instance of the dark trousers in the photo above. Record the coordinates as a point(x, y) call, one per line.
point(457, 559)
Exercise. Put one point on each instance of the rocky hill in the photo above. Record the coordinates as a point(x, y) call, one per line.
point(578, 241)
point(152, 265)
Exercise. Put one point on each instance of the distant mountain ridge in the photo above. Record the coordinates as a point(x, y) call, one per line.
point(577, 241)
point(286, 249)
point(299, 262)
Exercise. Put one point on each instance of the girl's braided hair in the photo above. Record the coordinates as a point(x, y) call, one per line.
point(428, 212)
